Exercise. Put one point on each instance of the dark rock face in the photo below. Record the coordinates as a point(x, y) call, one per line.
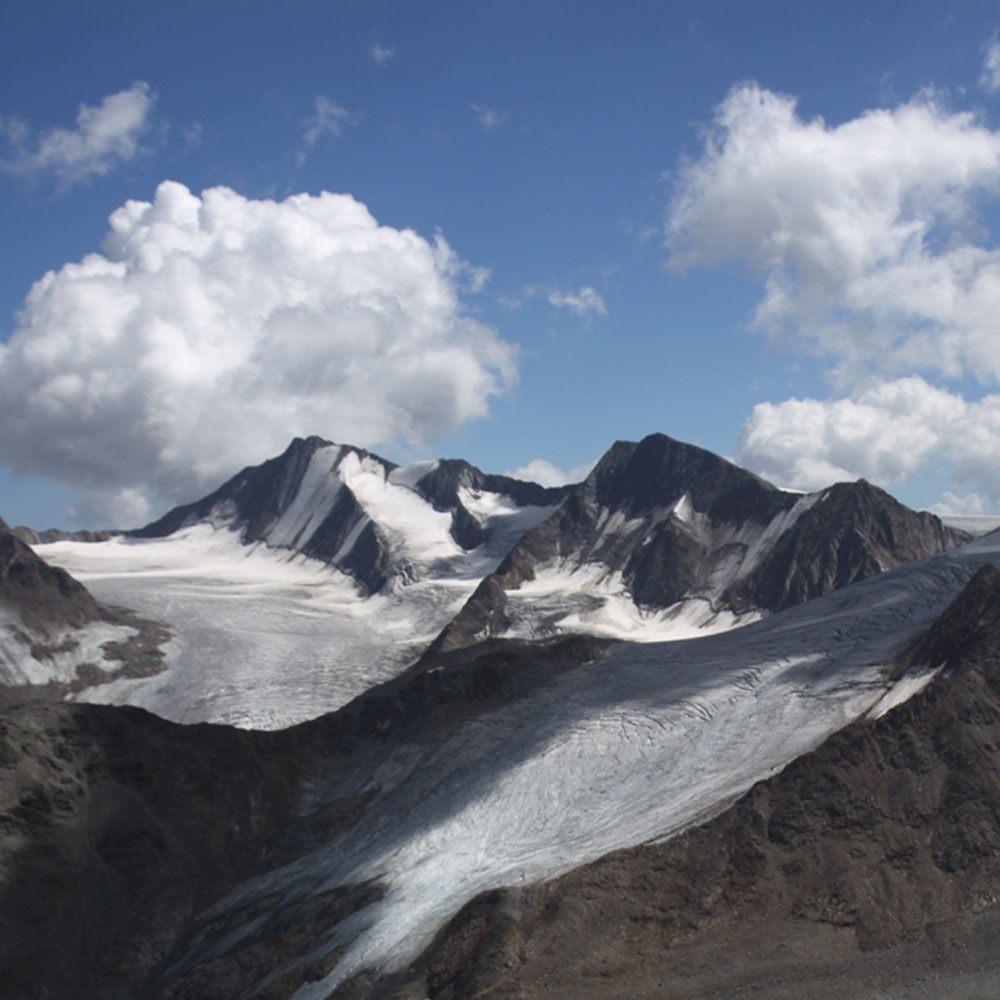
point(115, 827)
point(441, 486)
point(676, 520)
point(870, 864)
point(254, 498)
point(854, 531)
point(44, 596)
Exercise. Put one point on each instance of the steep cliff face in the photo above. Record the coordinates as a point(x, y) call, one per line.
point(872, 863)
point(297, 501)
point(662, 526)
point(852, 531)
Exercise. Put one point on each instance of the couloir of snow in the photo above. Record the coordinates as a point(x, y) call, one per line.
point(633, 747)
point(316, 495)
point(264, 637)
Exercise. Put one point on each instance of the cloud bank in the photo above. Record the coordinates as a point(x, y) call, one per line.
point(867, 243)
point(212, 329)
point(104, 137)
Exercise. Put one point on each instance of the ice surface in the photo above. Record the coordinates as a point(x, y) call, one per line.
point(410, 475)
point(634, 747)
point(263, 638)
point(903, 690)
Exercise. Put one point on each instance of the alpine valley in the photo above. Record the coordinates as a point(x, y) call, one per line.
point(344, 729)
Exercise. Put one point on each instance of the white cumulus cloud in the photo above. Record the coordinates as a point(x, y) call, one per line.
point(543, 472)
point(212, 329)
point(586, 300)
point(885, 431)
point(104, 137)
point(863, 234)
point(872, 252)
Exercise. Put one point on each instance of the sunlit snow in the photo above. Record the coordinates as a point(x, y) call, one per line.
point(265, 637)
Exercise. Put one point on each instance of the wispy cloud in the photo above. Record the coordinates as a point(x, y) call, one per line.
point(489, 118)
point(329, 119)
point(104, 137)
point(585, 301)
point(989, 78)
point(381, 54)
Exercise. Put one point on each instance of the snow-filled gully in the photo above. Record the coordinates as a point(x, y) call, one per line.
point(637, 746)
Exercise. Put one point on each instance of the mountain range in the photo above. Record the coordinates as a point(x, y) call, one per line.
point(671, 731)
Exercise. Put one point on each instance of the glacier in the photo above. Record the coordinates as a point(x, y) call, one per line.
point(633, 747)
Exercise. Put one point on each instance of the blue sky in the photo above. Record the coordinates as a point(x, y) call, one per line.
point(764, 228)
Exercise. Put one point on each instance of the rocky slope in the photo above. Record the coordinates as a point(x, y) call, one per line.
point(55, 637)
point(664, 532)
point(119, 830)
point(115, 829)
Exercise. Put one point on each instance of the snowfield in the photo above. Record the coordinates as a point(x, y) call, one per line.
point(265, 637)
point(634, 747)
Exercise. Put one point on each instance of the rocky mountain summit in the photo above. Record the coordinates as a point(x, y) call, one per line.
point(323, 500)
point(351, 568)
point(661, 525)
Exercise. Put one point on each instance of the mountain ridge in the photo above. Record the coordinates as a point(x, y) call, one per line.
point(680, 524)
point(84, 779)
point(662, 540)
